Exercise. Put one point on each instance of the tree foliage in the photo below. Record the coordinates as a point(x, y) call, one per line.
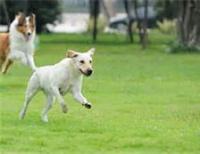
point(166, 9)
point(47, 11)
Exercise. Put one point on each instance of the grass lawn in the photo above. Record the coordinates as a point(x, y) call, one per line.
point(143, 101)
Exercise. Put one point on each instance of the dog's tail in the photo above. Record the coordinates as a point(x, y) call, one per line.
point(34, 69)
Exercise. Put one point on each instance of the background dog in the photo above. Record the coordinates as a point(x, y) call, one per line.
point(19, 43)
point(56, 80)
point(4, 49)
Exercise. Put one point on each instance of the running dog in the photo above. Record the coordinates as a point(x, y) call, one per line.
point(18, 44)
point(56, 80)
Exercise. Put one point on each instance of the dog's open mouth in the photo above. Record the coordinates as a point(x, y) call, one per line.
point(27, 37)
point(84, 73)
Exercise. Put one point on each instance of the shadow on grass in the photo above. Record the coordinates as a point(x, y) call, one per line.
point(100, 42)
point(107, 40)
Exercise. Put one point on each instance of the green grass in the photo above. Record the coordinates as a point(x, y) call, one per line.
point(144, 101)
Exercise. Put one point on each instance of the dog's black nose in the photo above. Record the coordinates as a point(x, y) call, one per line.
point(89, 72)
point(28, 33)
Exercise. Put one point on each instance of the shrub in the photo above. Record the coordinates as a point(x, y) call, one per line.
point(47, 11)
point(167, 26)
point(100, 26)
point(177, 47)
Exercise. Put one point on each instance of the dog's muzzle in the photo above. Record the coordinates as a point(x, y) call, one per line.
point(28, 36)
point(29, 33)
point(87, 73)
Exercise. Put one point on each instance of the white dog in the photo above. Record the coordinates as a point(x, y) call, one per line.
point(21, 40)
point(56, 80)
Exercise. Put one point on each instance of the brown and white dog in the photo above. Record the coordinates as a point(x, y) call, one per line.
point(18, 44)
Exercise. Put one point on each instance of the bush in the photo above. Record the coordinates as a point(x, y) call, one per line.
point(100, 26)
point(167, 26)
point(47, 11)
point(166, 9)
point(177, 47)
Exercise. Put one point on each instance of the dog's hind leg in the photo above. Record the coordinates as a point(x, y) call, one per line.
point(32, 89)
point(48, 105)
point(1, 63)
point(60, 100)
point(6, 65)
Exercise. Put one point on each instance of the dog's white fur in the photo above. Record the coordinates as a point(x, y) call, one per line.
point(21, 48)
point(56, 80)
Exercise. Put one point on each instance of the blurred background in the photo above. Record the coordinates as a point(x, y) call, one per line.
point(125, 17)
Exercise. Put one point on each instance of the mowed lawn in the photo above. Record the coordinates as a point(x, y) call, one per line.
point(144, 101)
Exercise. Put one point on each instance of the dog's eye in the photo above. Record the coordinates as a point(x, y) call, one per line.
point(82, 62)
point(90, 61)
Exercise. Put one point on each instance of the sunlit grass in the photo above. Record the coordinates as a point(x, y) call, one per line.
point(144, 101)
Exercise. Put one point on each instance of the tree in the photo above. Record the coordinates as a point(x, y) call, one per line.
point(144, 35)
point(130, 22)
point(94, 10)
point(47, 11)
point(189, 23)
point(142, 22)
point(3, 11)
point(166, 9)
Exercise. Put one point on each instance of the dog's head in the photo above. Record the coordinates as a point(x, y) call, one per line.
point(26, 25)
point(82, 61)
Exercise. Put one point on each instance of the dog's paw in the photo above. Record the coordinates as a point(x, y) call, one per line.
point(3, 72)
point(87, 105)
point(21, 115)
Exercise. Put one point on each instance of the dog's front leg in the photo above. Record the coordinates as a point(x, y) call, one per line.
point(80, 98)
point(30, 62)
point(13, 55)
point(18, 55)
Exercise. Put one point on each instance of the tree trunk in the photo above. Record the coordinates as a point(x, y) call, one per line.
point(129, 28)
point(108, 8)
point(6, 14)
point(94, 13)
point(188, 24)
point(144, 27)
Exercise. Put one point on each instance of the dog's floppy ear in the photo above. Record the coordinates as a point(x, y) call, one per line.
point(71, 54)
point(21, 18)
point(32, 18)
point(91, 51)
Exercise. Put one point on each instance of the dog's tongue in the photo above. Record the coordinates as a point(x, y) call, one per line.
point(27, 38)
